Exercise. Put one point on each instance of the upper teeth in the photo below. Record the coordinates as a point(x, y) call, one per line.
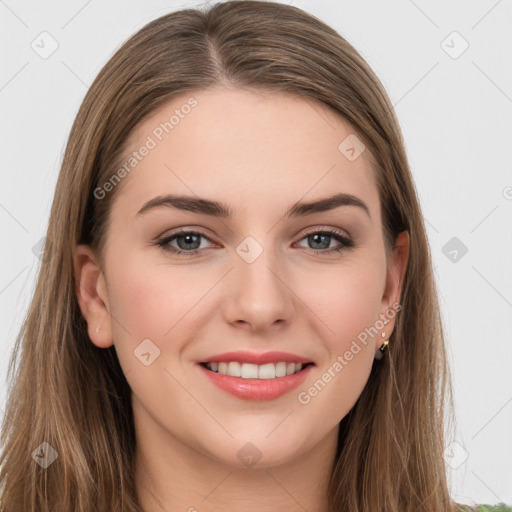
point(254, 371)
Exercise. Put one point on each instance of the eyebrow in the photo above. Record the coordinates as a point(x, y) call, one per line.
point(217, 209)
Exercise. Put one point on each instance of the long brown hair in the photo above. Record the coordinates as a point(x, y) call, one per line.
point(69, 393)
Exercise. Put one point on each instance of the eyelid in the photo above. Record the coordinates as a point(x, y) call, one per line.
point(185, 229)
point(334, 229)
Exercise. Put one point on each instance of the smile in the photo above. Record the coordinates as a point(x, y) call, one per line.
point(245, 385)
point(255, 371)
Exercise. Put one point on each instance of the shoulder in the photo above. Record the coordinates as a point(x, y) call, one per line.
point(494, 508)
point(500, 507)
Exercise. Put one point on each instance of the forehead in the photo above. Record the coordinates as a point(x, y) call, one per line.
point(245, 146)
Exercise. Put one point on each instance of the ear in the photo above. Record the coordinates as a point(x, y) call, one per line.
point(92, 296)
point(394, 282)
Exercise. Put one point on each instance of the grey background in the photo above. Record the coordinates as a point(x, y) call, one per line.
point(455, 113)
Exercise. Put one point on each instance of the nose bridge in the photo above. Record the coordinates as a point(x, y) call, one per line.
point(256, 267)
point(260, 295)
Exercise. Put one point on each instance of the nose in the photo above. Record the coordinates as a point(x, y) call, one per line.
point(259, 295)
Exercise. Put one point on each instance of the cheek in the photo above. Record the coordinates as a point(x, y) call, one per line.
point(151, 302)
point(348, 307)
point(347, 302)
point(149, 299)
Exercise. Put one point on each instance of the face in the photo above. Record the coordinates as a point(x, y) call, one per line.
point(184, 283)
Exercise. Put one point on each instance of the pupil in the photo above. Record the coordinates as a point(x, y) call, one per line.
point(189, 240)
point(315, 238)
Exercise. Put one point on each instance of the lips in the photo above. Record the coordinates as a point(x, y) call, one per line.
point(257, 389)
point(257, 358)
point(263, 386)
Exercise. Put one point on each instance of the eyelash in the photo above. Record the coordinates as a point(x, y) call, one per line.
point(332, 233)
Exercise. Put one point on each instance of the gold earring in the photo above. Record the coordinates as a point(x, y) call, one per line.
point(380, 353)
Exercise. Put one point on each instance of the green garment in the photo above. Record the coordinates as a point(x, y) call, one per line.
point(494, 508)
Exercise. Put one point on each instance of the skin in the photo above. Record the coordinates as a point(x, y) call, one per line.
point(258, 152)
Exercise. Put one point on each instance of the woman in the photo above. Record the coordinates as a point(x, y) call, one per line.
point(293, 355)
